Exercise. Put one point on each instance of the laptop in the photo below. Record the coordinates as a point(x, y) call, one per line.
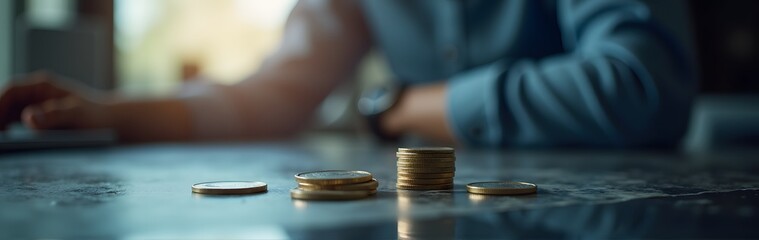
point(20, 138)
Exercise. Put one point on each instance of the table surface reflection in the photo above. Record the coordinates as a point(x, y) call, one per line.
point(143, 191)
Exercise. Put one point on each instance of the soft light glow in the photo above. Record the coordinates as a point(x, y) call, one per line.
point(133, 19)
point(264, 13)
point(50, 13)
point(225, 39)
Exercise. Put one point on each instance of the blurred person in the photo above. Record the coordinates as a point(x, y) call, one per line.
point(520, 73)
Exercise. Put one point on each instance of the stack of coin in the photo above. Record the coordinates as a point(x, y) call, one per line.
point(429, 168)
point(334, 185)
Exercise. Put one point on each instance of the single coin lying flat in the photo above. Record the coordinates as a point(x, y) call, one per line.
point(443, 150)
point(229, 187)
point(501, 188)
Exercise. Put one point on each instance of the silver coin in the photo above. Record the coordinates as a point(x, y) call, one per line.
point(229, 187)
point(502, 188)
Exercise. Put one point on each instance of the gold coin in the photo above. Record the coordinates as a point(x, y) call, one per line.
point(424, 187)
point(426, 150)
point(427, 170)
point(366, 186)
point(502, 188)
point(426, 164)
point(425, 175)
point(333, 177)
point(431, 181)
point(424, 155)
point(426, 160)
point(229, 187)
point(327, 194)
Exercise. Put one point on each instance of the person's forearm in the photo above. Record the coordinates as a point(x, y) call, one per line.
point(263, 107)
point(421, 111)
point(276, 109)
point(150, 120)
point(322, 43)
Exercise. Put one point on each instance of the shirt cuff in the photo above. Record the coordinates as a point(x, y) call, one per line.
point(213, 113)
point(472, 101)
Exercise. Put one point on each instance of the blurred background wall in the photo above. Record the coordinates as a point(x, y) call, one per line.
point(728, 35)
point(71, 37)
point(6, 15)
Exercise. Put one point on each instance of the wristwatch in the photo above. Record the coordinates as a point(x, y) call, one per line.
point(377, 101)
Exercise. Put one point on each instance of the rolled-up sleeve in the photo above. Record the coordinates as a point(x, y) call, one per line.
point(473, 106)
point(626, 79)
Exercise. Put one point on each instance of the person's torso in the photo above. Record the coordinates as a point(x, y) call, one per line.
point(430, 40)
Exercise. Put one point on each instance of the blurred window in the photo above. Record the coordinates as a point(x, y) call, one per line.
point(50, 13)
point(160, 43)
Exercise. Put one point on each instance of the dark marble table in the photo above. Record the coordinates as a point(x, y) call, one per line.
point(143, 191)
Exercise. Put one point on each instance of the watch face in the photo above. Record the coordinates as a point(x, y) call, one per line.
point(376, 101)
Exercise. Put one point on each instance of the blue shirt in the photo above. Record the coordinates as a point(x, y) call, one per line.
point(547, 73)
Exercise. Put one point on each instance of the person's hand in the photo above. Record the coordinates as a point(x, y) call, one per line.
point(420, 111)
point(43, 101)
